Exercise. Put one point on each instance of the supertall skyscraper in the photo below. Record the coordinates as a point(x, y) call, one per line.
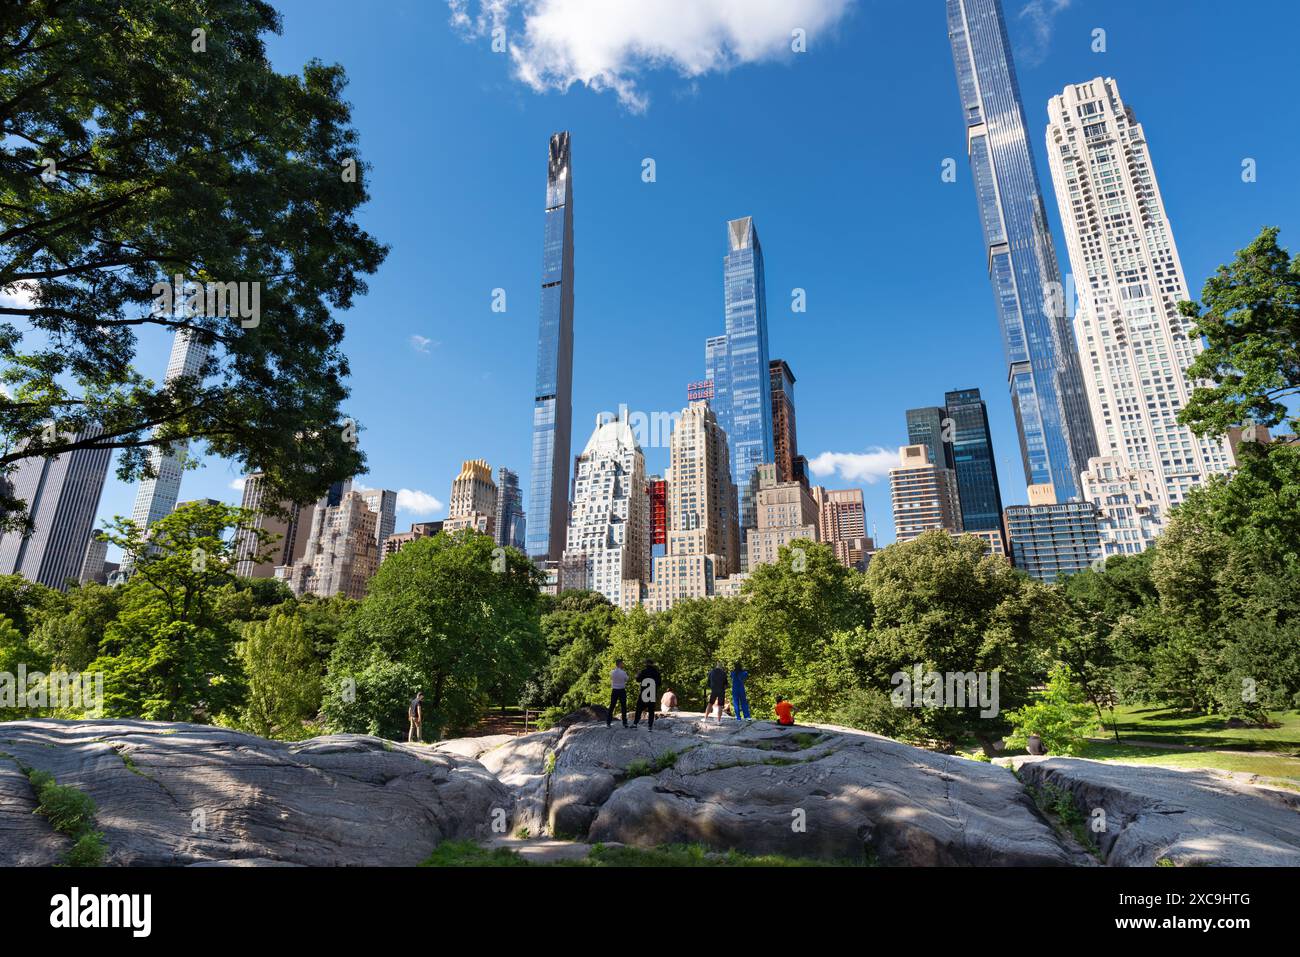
point(156, 497)
point(1136, 345)
point(62, 496)
point(1056, 434)
point(511, 523)
point(739, 367)
point(552, 400)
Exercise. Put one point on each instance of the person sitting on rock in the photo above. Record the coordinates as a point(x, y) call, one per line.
point(738, 699)
point(784, 712)
point(668, 702)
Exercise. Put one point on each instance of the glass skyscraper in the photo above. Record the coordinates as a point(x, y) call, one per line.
point(1052, 416)
point(553, 398)
point(739, 368)
point(972, 455)
point(926, 427)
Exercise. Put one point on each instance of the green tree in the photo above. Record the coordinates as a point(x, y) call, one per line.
point(1250, 318)
point(1060, 715)
point(283, 675)
point(26, 603)
point(150, 139)
point(454, 611)
point(577, 634)
point(71, 637)
point(14, 652)
point(947, 605)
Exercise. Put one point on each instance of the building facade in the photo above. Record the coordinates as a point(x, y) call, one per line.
point(383, 502)
point(931, 427)
point(1135, 344)
point(553, 396)
point(1043, 374)
point(786, 511)
point(511, 525)
point(342, 551)
point(473, 501)
point(62, 495)
point(287, 525)
point(395, 542)
point(785, 441)
point(1050, 539)
point(974, 464)
point(924, 495)
point(1129, 504)
point(842, 524)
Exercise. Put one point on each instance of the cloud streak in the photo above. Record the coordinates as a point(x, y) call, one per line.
point(606, 45)
point(870, 466)
point(1041, 17)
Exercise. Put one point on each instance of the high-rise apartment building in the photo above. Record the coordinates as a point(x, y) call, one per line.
point(924, 495)
point(342, 550)
point(473, 499)
point(842, 524)
point(1050, 538)
point(398, 540)
point(973, 462)
point(156, 496)
point(739, 367)
point(383, 502)
point(657, 489)
point(786, 512)
point(1128, 501)
point(510, 522)
point(1047, 395)
point(286, 524)
point(703, 538)
point(609, 531)
point(62, 496)
point(553, 397)
point(94, 565)
point(1136, 345)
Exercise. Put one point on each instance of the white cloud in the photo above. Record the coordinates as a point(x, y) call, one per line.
point(19, 295)
point(1041, 16)
point(606, 44)
point(418, 503)
point(238, 484)
point(422, 343)
point(870, 466)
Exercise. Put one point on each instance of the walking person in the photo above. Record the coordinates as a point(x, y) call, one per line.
point(415, 714)
point(739, 703)
point(649, 679)
point(617, 692)
point(717, 682)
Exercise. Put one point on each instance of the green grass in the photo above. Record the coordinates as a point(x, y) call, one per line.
point(640, 768)
point(1265, 764)
point(469, 854)
point(1171, 726)
point(69, 812)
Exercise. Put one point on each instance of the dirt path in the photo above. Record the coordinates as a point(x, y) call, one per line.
point(542, 850)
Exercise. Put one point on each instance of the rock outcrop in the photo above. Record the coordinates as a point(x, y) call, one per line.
point(1148, 814)
point(180, 794)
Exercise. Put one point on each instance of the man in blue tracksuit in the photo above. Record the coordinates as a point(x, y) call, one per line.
point(739, 703)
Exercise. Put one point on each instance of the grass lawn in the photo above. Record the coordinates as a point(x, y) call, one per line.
point(469, 854)
point(1170, 726)
point(1281, 767)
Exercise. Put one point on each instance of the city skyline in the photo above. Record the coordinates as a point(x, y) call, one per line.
point(469, 421)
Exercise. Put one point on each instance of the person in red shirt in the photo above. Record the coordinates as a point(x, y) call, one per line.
point(784, 712)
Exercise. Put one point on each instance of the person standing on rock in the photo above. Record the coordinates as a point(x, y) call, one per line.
point(649, 679)
point(617, 692)
point(415, 713)
point(717, 682)
point(739, 703)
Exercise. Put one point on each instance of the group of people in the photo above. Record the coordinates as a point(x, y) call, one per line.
point(649, 680)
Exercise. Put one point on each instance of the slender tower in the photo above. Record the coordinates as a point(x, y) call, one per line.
point(1056, 434)
point(553, 397)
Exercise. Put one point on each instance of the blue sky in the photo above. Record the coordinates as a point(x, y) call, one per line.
point(837, 152)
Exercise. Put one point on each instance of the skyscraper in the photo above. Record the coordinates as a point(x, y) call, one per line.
point(1129, 504)
point(1051, 538)
point(746, 402)
point(786, 511)
point(930, 427)
point(1056, 434)
point(510, 523)
point(785, 441)
point(62, 496)
point(287, 526)
point(924, 495)
point(842, 524)
point(1136, 345)
point(157, 496)
point(972, 460)
point(341, 554)
point(383, 502)
point(609, 533)
point(473, 499)
point(553, 396)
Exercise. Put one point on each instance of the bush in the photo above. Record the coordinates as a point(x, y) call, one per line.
point(1061, 716)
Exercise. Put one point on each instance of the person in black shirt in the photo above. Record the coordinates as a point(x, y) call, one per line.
point(717, 682)
point(415, 712)
point(649, 679)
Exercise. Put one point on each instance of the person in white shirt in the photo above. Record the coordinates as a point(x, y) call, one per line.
point(617, 692)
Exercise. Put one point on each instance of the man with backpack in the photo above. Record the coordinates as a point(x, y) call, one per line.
point(649, 679)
